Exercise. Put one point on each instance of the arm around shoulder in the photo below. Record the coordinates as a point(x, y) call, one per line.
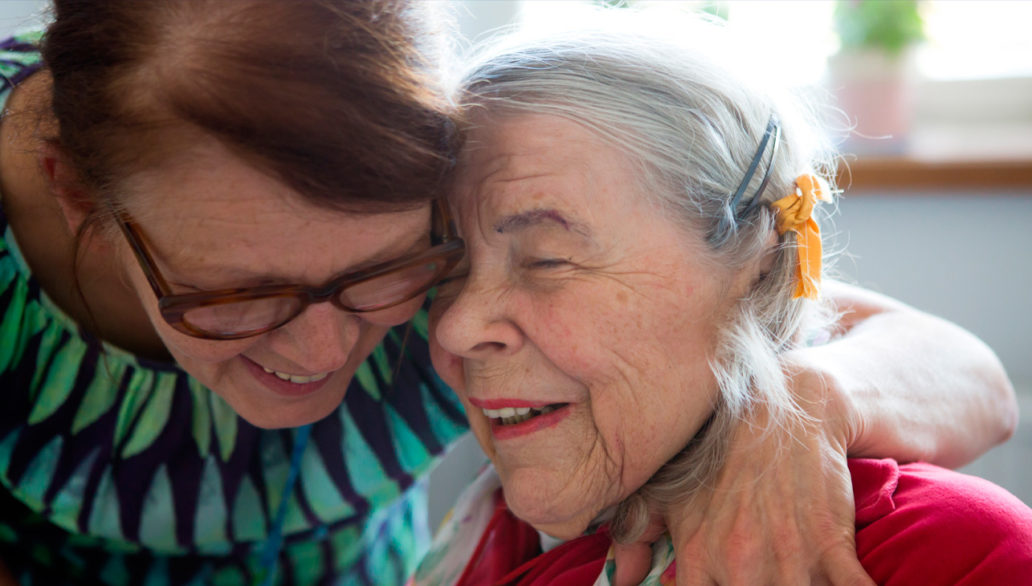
point(906, 384)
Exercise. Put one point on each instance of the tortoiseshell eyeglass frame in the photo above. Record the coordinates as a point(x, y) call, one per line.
point(445, 247)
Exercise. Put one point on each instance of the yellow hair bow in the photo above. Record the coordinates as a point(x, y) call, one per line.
point(794, 213)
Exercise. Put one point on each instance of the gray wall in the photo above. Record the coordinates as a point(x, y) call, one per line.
point(966, 257)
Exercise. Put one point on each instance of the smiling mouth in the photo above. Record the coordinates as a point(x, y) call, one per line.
point(297, 378)
point(514, 415)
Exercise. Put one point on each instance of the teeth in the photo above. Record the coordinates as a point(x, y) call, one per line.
point(296, 378)
point(513, 415)
point(506, 412)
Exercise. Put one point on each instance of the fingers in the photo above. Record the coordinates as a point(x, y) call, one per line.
point(695, 579)
point(633, 563)
point(837, 566)
point(634, 560)
point(843, 568)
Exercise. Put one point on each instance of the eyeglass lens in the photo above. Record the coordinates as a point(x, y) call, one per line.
point(255, 315)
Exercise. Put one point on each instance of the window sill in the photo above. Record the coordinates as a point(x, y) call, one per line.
point(908, 173)
point(997, 158)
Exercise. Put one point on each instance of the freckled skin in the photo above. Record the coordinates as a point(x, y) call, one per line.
point(588, 297)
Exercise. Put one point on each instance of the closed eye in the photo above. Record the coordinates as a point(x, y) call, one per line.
point(548, 263)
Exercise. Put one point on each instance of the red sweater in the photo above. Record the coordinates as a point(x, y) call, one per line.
point(915, 524)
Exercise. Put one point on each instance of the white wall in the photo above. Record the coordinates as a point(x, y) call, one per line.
point(17, 14)
point(966, 257)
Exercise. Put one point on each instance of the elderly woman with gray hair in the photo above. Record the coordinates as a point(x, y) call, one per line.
point(644, 266)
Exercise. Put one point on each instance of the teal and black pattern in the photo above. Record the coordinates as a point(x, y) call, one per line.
point(120, 470)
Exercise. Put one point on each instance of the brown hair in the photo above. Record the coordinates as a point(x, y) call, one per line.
point(337, 99)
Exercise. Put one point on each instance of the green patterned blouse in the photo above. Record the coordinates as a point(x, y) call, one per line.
point(121, 470)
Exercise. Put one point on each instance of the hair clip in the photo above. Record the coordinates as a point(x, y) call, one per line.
point(773, 131)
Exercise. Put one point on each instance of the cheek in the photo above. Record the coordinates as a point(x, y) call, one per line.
point(191, 352)
point(397, 315)
point(448, 366)
point(635, 359)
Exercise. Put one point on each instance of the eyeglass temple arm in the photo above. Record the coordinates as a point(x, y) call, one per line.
point(443, 225)
point(154, 278)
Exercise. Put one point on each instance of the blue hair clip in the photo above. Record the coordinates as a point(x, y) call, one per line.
point(773, 132)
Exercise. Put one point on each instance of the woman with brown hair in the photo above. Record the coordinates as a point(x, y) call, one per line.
point(217, 235)
point(184, 185)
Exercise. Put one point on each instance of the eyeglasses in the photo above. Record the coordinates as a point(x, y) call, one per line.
point(230, 314)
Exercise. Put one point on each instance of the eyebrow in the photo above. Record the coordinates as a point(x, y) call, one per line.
point(530, 218)
point(249, 278)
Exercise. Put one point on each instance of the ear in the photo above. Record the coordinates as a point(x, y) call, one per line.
point(66, 186)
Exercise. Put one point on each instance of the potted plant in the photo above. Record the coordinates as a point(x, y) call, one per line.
point(872, 73)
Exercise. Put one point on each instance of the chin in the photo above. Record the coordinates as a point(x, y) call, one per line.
point(268, 416)
point(549, 516)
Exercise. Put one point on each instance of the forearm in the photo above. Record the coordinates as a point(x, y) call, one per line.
point(917, 387)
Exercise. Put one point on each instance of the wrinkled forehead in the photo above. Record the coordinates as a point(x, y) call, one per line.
point(531, 155)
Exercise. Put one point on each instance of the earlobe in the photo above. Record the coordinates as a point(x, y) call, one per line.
point(66, 186)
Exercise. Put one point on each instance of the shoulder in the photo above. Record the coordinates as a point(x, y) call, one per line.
point(921, 524)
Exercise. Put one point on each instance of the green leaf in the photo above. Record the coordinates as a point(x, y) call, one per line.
point(40, 472)
point(7, 447)
point(320, 490)
point(364, 467)
point(275, 467)
point(158, 518)
point(421, 323)
point(888, 25)
point(60, 380)
point(307, 560)
point(104, 518)
point(347, 545)
point(12, 336)
point(224, 422)
point(47, 346)
point(115, 571)
point(157, 575)
point(154, 416)
point(444, 427)
point(248, 520)
point(201, 422)
point(210, 519)
point(100, 395)
point(365, 378)
point(232, 576)
point(383, 365)
point(67, 503)
point(412, 454)
point(136, 394)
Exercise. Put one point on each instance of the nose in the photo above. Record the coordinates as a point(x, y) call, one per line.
point(475, 322)
point(320, 339)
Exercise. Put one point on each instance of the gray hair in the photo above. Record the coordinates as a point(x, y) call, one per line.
point(691, 126)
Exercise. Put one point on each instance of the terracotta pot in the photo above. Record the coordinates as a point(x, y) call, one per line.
point(876, 91)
